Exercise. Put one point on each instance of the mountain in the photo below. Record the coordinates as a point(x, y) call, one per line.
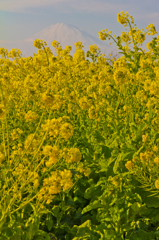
point(65, 34)
point(68, 34)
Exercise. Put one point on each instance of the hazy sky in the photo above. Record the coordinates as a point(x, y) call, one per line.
point(20, 19)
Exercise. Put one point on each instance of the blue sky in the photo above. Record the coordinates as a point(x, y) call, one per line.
point(20, 19)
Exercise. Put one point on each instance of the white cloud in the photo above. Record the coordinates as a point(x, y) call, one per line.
point(153, 17)
point(100, 6)
point(96, 6)
point(84, 5)
point(21, 5)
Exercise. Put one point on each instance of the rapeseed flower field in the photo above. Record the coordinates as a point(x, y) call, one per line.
point(79, 140)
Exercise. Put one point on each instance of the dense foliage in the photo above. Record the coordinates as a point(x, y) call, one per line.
point(79, 141)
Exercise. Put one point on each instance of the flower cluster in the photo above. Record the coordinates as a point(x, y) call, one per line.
point(49, 103)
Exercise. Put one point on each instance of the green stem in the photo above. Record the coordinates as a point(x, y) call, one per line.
point(25, 152)
point(46, 55)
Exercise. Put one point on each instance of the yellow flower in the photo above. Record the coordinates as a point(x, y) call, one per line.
point(68, 184)
point(126, 108)
point(14, 53)
point(144, 137)
point(55, 189)
point(155, 149)
point(121, 76)
point(53, 158)
point(38, 43)
point(3, 52)
point(36, 183)
point(2, 157)
point(66, 130)
point(152, 29)
point(2, 111)
point(78, 45)
point(54, 155)
point(33, 140)
point(55, 44)
point(121, 19)
point(79, 55)
point(92, 113)
point(157, 184)
point(129, 165)
point(102, 36)
point(125, 37)
point(66, 174)
point(156, 160)
point(93, 48)
point(87, 172)
point(48, 100)
point(84, 104)
point(115, 183)
point(74, 155)
point(134, 159)
point(53, 126)
point(48, 201)
point(49, 163)
point(142, 157)
point(47, 150)
point(30, 116)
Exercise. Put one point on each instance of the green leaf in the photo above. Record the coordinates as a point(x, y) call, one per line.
point(138, 152)
point(103, 216)
point(43, 234)
point(94, 205)
point(140, 129)
point(85, 231)
point(142, 235)
point(133, 210)
point(101, 181)
point(55, 210)
point(150, 114)
point(116, 164)
point(79, 200)
point(145, 195)
point(49, 221)
point(156, 136)
point(151, 213)
point(92, 192)
point(106, 151)
point(8, 232)
point(128, 155)
point(120, 158)
point(99, 138)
